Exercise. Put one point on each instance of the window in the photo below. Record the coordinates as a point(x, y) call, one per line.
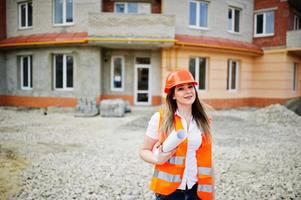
point(143, 61)
point(295, 76)
point(198, 14)
point(63, 71)
point(25, 15)
point(233, 20)
point(26, 72)
point(296, 22)
point(63, 12)
point(264, 23)
point(232, 75)
point(198, 68)
point(124, 7)
point(117, 73)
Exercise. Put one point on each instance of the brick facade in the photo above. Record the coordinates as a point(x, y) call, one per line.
point(282, 22)
point(2, 19)
point(108, 6)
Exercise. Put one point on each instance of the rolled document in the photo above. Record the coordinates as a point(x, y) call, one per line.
point(173, 140)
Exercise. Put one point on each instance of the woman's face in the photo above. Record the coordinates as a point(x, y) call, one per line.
point(184, 94)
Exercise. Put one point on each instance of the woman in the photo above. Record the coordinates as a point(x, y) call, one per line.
point(184, 173)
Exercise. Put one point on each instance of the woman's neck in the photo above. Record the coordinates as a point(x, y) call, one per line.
point(185, 110)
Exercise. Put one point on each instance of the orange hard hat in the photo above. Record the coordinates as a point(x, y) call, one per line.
point(178, 77)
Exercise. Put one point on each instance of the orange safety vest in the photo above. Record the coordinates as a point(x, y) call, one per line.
point(167, 177)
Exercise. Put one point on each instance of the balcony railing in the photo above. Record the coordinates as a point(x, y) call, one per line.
point(147, 26)
point(293, 39)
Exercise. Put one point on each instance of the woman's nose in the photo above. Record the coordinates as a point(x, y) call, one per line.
point(188, 90)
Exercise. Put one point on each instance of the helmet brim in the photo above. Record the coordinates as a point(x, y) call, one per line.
point(166, 90)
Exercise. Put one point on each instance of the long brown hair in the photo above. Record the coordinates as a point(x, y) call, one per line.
point(198, 114)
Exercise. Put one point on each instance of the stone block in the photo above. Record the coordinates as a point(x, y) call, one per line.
point(127, 108)
point(112, 108)
point(86, 107)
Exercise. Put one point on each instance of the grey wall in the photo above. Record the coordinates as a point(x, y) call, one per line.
point(156, 89)
point(217, 18)
point(43, 17)
point(129, 56)
point(86, 72)
point(2, 74)
point(134, 26)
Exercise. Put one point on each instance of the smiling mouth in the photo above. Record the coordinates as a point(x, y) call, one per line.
point(188, 97)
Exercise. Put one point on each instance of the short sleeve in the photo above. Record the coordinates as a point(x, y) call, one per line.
point(153, 125)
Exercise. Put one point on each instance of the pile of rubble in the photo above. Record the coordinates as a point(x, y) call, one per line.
point(276, 114)
point(294, 105)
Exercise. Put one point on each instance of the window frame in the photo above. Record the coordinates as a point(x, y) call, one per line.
point(64, 14)
point(229, 75)
point(295, 71)
point(122, 75)
point(233, 9)
point(29, 75)
point(296, 25)
point(26, 15)
point(126, 8)
point(263, 34)
point(65, 87)
point(197, 15)
point(197, 72)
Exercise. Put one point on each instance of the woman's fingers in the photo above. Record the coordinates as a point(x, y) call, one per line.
point(164, 156)
point(158, 144)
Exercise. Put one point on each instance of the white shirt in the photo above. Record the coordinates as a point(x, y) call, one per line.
point(194, 142)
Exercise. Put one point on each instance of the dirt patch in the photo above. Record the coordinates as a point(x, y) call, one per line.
point(10, 165)
point(54, 147)
point(10, 129)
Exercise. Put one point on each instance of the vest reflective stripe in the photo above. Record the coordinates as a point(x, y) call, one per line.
point(205, 188)
point(177, 160)
point(172, 178)
point(205, 171)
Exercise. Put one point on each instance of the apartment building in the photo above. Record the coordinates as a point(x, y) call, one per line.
point(54, 52)
point(277, 74)
point(58, 51)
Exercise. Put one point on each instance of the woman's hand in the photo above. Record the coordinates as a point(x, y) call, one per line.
point(151, 152)
point(162, 157)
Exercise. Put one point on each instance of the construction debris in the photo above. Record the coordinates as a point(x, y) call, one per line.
point(276, 114)
point(114, 108)
point(294, 105)
point(256, 154)
point(86, 107)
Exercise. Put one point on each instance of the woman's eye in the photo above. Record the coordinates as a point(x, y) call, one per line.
point(190, 86)
point(180, 88)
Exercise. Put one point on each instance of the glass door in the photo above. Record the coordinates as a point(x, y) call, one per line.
point(142, 85)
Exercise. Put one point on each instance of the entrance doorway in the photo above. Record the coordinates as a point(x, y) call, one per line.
point(142, 82)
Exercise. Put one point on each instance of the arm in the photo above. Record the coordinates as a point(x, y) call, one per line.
point(150, 141)
point(146, 153)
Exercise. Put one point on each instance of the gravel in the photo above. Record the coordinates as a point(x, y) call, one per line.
point(256, 152)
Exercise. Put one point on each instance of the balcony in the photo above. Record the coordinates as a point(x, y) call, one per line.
point(293, 42)
point(293, 39)
point(131, 30)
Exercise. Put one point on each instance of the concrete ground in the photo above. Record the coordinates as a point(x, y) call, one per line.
point(257, 155)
